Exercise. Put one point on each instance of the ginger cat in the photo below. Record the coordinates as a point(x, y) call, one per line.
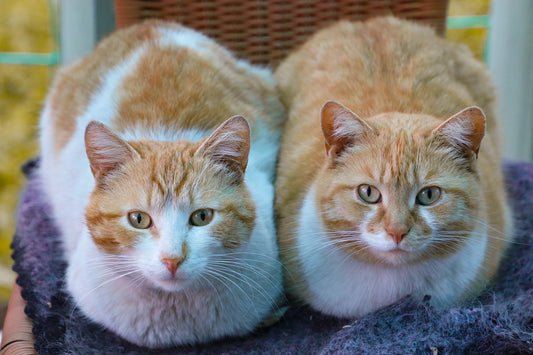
point(387, 191)
point(163, 196)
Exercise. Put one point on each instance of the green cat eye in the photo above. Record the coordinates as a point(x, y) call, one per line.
point(201, 217)
point(140, 220)
point(369, 193)
point(428, 195)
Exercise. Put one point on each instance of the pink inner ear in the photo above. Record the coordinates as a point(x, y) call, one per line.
point(341, 127)
point(229, 144)
point(106, 151)
point(465, 129)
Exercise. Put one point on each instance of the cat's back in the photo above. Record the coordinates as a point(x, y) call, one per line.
point(399, 79)
point(149, 80)
point(158, 81)
point(386, 64)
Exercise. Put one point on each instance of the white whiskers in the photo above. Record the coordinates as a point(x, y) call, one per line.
point(111, 268)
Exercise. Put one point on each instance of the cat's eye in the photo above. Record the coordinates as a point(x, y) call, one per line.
point(140, 220)
point(201, 217)
point(369, 193)
point(428, 195)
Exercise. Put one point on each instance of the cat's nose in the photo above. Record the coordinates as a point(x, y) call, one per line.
point(172, 263)
point(397, 233)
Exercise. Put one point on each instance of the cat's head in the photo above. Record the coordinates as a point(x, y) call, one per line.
point(164, 211)
point(399, 188)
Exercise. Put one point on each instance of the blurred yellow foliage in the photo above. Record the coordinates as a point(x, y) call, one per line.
point(25, 27)
point(475, 38)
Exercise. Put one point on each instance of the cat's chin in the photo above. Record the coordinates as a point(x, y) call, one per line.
point(395, 256)
point(170, 284)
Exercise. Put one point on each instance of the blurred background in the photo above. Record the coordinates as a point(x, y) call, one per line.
point(35, 38)
point(26, 26)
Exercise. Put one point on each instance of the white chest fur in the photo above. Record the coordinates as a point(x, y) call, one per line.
point(342, 286)
point(157, 318)
point(231, 305)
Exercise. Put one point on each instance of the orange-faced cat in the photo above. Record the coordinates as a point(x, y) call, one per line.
point(164, 200)
point(388, 190)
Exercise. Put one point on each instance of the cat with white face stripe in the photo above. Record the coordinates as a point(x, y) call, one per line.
point(162, 191)
point(391, 192)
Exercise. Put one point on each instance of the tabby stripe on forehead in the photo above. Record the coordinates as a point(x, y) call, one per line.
point(179, 188)
point(160, 186)
point(157, 179)
point(160, 192)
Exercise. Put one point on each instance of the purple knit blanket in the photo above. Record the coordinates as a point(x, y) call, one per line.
point(500, 321)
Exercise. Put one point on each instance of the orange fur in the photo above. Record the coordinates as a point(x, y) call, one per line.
point(76, 83)
point(167, 80)
point(158, 95)
point(168, 171)
point(403, 81)
point(158, 159)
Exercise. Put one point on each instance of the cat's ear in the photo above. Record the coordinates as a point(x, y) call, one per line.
point(229, 144)
point(341, 128)
point(464, 130)
point(106, 151)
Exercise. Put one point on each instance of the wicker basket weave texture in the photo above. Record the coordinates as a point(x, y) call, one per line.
point(265, 31)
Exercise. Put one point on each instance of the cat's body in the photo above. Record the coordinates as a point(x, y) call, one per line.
point(379, 199)
point(167, 221)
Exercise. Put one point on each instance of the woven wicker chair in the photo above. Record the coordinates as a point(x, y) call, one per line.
point(264, 31)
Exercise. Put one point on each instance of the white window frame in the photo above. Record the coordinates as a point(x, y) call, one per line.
point(510, 59)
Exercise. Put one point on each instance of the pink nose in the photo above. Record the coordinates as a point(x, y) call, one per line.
point(172, 263)
point(397, 234)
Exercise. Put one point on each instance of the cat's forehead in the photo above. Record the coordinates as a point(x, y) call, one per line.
point(162, 164)
point(414, 125)
point(402, 152)
point(160, 149)
point(172, 173)
point(401, 138)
